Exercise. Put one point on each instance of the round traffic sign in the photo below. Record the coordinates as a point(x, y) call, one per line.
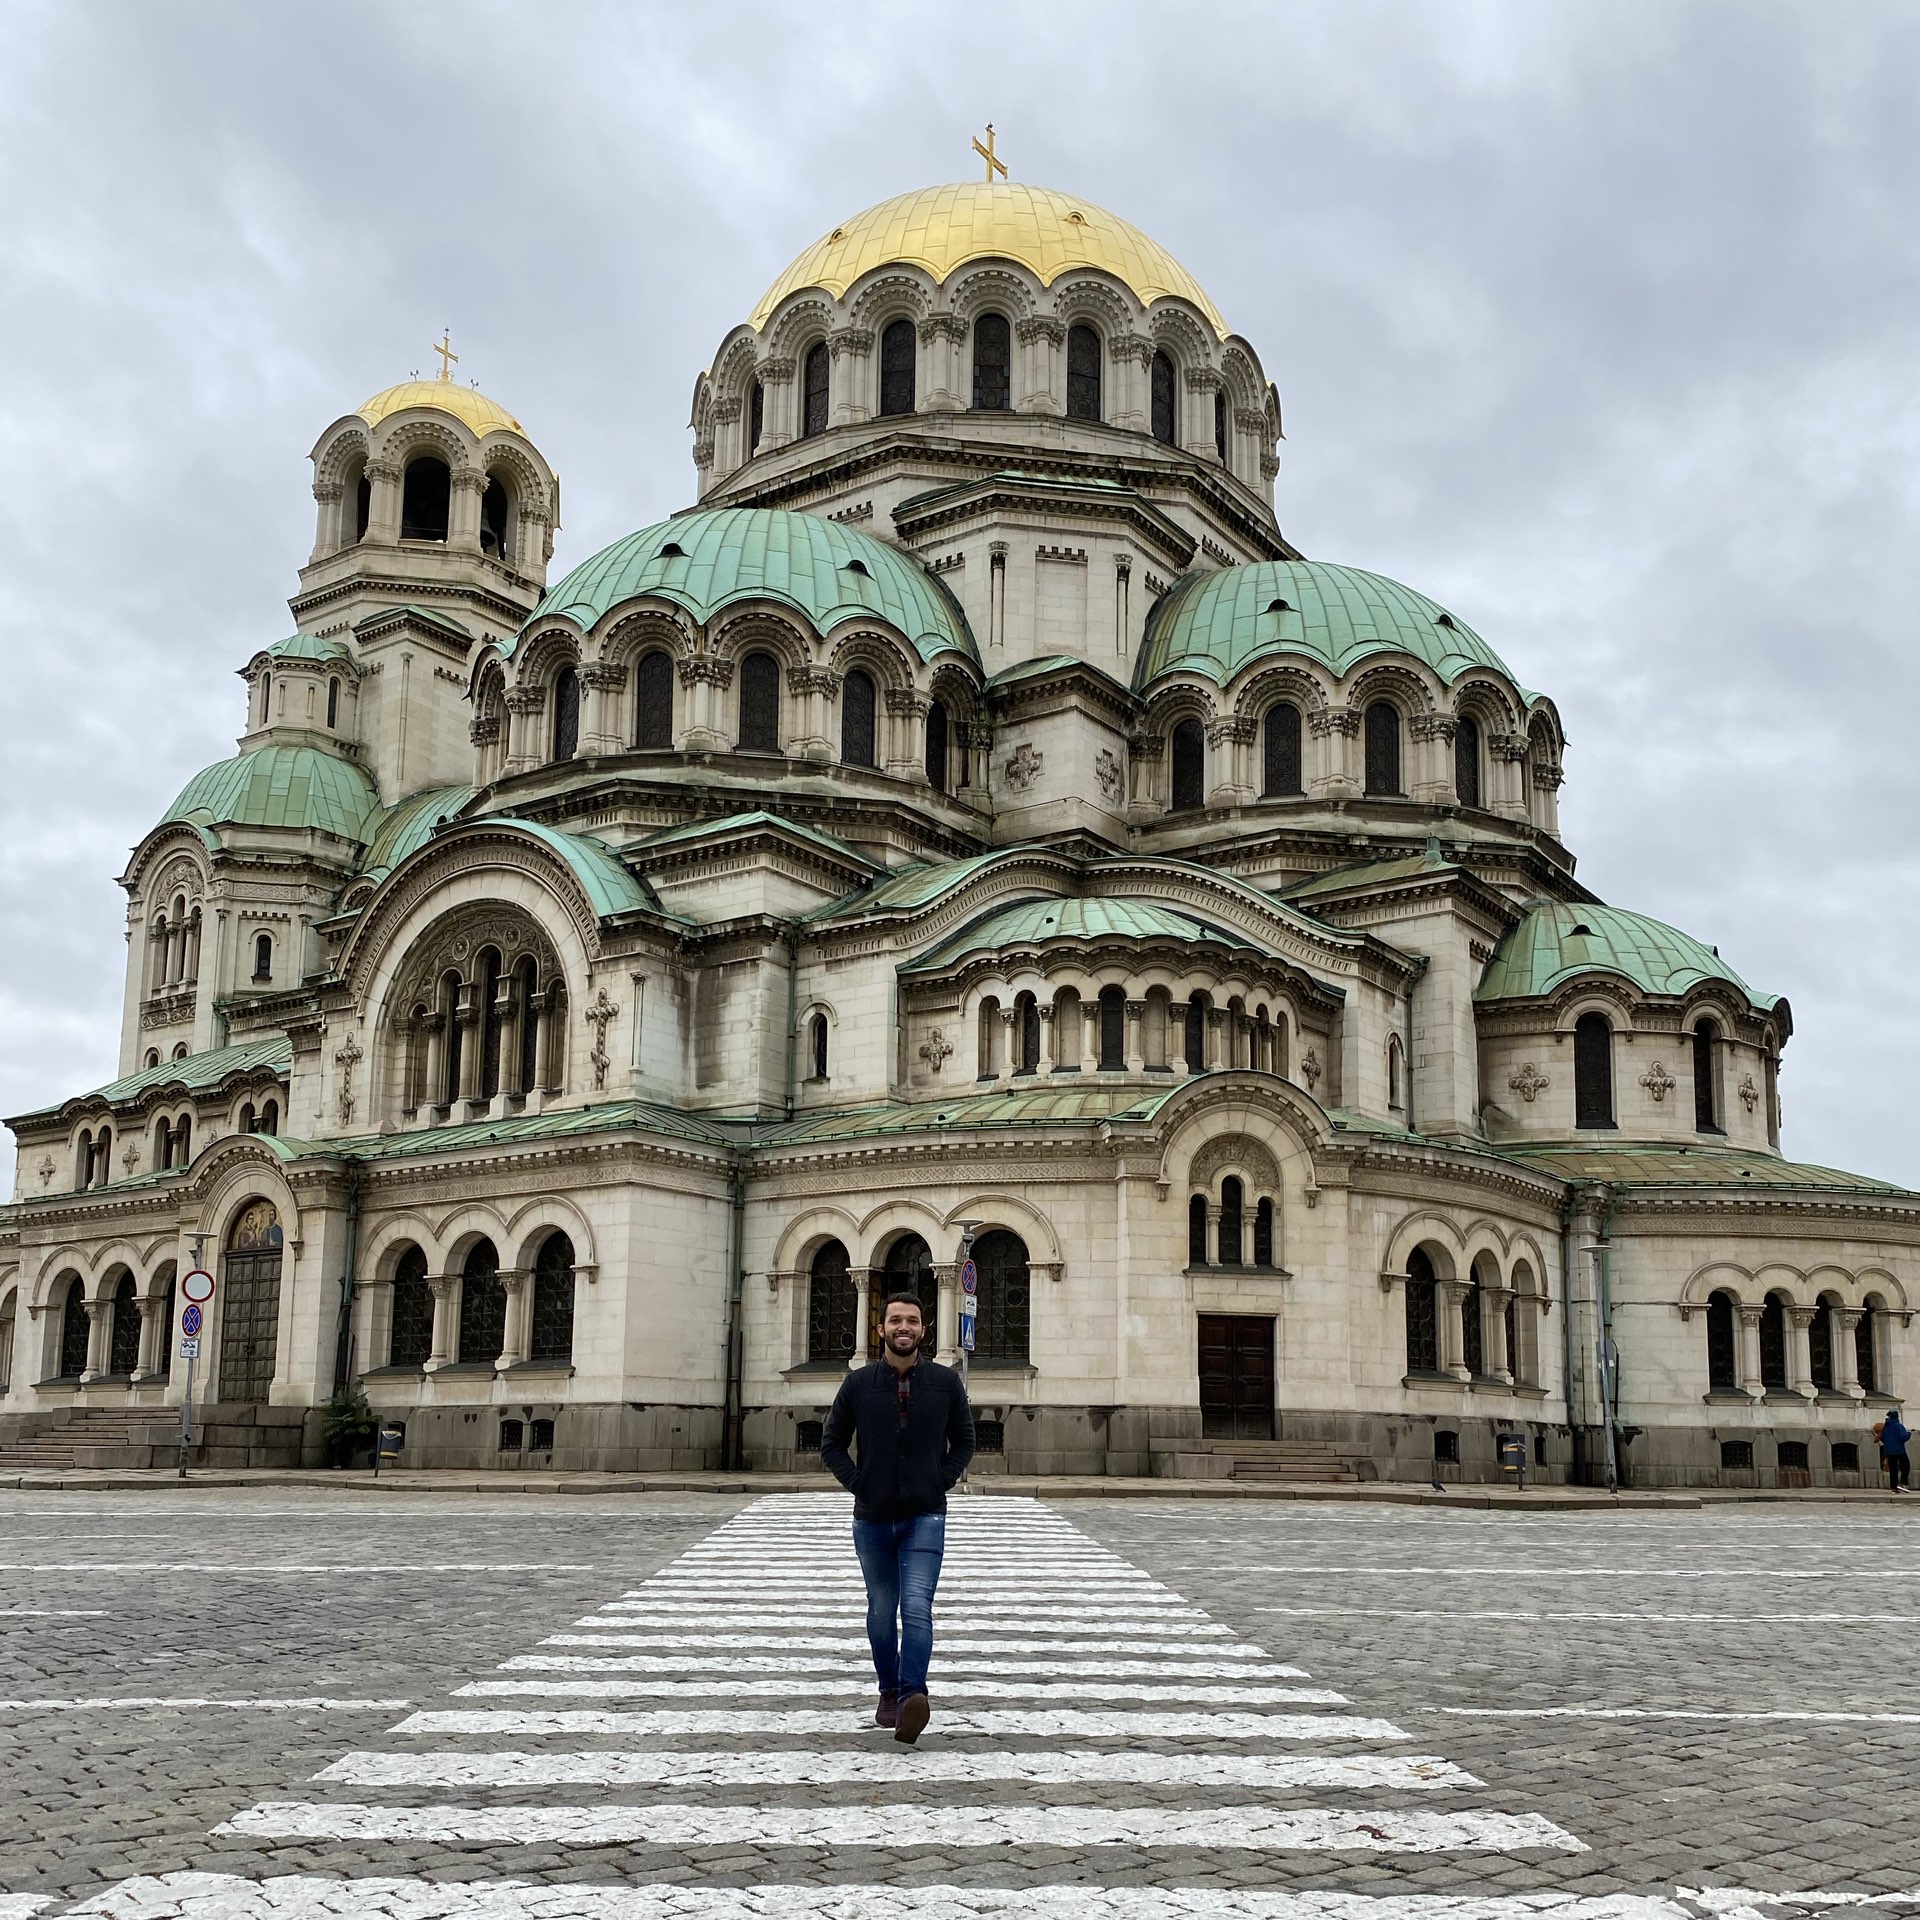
point(198, 1286)
point(969, 1277)
point(190, 1319)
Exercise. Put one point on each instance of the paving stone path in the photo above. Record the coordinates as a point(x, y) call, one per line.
point(634, 1709)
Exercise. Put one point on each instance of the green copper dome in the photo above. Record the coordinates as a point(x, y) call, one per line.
point(296, 787)
point(828, 574)
point(1217, 623)
point(1029, 923)
point(1557, 942)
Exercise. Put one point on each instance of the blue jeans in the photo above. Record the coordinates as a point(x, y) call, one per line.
point(900, 1560)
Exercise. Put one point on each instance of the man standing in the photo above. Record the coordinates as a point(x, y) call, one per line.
point(1893, 1436)
point(914, 1433)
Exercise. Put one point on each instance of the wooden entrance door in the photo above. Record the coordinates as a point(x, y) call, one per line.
point(250, 1305)
point(1236, 1376)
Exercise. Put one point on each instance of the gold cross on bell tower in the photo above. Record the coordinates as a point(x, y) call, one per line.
point(986, 153)
point(448, 358)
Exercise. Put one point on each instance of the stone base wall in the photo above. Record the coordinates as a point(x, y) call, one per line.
point(1695, 1456)
point(587, 1438)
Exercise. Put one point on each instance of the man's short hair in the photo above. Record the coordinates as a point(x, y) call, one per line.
point(912, 1300)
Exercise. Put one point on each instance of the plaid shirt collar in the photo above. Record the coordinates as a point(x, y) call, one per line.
point(903, 1389)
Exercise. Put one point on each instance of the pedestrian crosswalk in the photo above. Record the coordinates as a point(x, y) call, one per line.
point(1093, 1730)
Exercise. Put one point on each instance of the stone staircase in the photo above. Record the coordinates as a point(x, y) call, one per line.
point(96, 1437)
point(1281, 1460)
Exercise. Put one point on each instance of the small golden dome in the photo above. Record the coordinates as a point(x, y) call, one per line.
point(941, 228)
point(467, 405)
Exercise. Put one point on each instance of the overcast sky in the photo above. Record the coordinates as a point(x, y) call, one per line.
point(1595, 321)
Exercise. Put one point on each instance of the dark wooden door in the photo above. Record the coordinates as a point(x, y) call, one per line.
point(1236, 1376)
point(249, 1323)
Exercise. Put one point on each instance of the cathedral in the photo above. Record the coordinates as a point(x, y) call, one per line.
point(969, 851)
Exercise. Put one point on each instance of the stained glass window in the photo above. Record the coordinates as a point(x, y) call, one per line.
point(756, 415)
point(123, 1345)
point(653, 703)
point(1280, 745)
point(1083, 374)
point(1723, 1350)
point(1003, 1328)
point(759, 704)
point(74, 1327)
point(1706, 1115)
point(550, 1321)
point(1473, 1340)
point(1466, 761)
point(1113, 1029)
point(1263, 1234)
point(1423, 1326)
point(411, 1341)
point(1592, 1071)
point(1866, 1363)
point(1383, 748)
point(831, 1304)
point(857, 703)
point(992, 363)
point(566, 713)
point(813, 391)
point(1220, 442)
point(1163, 414)
point(1197, 1231)
point(937, 746)
point(1232, 1215)
point(1773, 1344)
point(483, 1306)
point(1189, 763)
point(1820, 1347)
point(898, 351)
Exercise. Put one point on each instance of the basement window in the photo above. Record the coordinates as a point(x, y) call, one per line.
point(1736, 1455)
point(1446, 1448)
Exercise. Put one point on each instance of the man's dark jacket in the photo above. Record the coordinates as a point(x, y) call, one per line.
point(899, 1471)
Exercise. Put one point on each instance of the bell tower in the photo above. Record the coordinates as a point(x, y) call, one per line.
point(434, 525)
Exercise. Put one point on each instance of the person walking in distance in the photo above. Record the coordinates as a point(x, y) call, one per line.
point(912, 1433)
point(1893, 1436)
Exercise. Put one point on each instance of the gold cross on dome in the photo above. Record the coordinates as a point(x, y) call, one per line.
point(986, 153)
point(448, 358)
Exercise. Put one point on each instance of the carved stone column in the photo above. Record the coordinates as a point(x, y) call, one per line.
point(816, 691)
point(153, 1333)
point(850, 375)
point(1041, 386)
point(706, 680)
point(906, 749)
point(1090, 1028)
point(1009, 1050)
point(944, 373)
point(1201, 384)
point(1750, 1381)
point(467, 1018)
point(1129, 396)
point(1450, 1298)
point(977, 736)
point(517, 1284)
point(1846, 1359)
point(1135, 1036)
point(780, 395)
point(506, 1006)
point(463, 512)
point(1216, 1021)
point(1331, 729)
point(526, 709)
point(383, 503)
point(1800, 1351)
point(1493, 1325)
point(862, 1316)
point(603, 682)
point(1430, 777)
point(1049, 1046)
point(1229, 737)
point(99, 1335)
point(445, 1328)
point(946, 1340)
point(433, 1094)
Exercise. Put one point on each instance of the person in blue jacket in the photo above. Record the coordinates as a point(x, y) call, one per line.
point(912, 1431)
point(1893, 1436)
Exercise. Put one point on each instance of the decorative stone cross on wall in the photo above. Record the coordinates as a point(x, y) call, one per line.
point(934, 1050)
point(131, 1158)
point(597, 1016)
point(1310, 1069)
point(1658, 1082)
point(1749, 1093)
point(1529, 1083)
point(347, 1058)
point(1023, 766)
point(46, 1169)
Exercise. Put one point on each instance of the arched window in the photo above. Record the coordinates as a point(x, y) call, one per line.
point(488, 994)
point(454, 1030)
point(410, 1338)
point(1196, 1041)
point(759, 704)
point(123, 1341)
point(1113, 1029)
point(333, 702)
point(1164, 427)
point(1820, 1345)
point(163, 1141)
point(898, 350)
point(153, 1057)
point(1396, 1075)
point(653, 703)
point(566, 713)
point(263, 957)
point(1197, 1231)
point(1592, 1071)
point(1232, 1212)
point(1706, 1088)
point(1004, 1324)
point(1473, 1341)
point(1281, 749)
point(1220, 442)
point(1027, 1030)
point(1723, 1344)
point(756, 415)
point(526, 992)
point(1773, 1344)
point(424, 498)
point(1083, 374)
point(1866, 1347)
point(1383, 748)
point(103, 1154)
point(266, 701)
point(817, 1045)
point(992, 364)
point(553, 1068)
point(493, 520)
point(270, 1118)
point(1466, 760)
point(74, 1329)
point(908, 1269)
point(1189, 763)
point(1263, 1234)
point(832, 1305)
point(858, 700)
point(1423, 1322)
point(483, 1307)
point(249, 1120)
point(989, 1037)
point(937, 746)
point(813, 391)
point(550, 1317)
point(362, 506)
point(7, 1317)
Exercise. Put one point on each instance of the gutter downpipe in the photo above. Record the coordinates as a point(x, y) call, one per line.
point(732, 1453)
point(1608, 1350)
point(793, 1007)
point(1578, 1464)
point(342, 1354)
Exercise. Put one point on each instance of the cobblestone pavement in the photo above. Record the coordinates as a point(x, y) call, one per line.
point(226, 1705)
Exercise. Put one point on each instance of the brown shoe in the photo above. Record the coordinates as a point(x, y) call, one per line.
point(887, 1713)
point(915, 1711)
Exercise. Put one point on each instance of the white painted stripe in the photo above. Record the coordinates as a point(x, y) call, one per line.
point(1673, 1713)
point(1574, 1573)
point(54, 1613)
point(800, 1767)
point(23, 1906)
point(1065, 1624)
point(949, 1663)
point(942, 1690)
point(853, 1604)
point(1042, 1723)
point(1740, 1900)
point(139, 1702)
point(1682, 1619)
point(197, 1566)
point(979, 1637)
point(220, 1896)
point(1247, 1829)
point(997, 1591)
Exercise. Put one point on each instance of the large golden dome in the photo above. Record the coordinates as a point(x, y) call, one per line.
point(466, 404)
point(941, 228)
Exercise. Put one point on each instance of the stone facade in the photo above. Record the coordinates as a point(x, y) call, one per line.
point(972, 830)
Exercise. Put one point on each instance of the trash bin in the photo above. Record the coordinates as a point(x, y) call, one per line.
point(1513, 1458)
point(392, 1437)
